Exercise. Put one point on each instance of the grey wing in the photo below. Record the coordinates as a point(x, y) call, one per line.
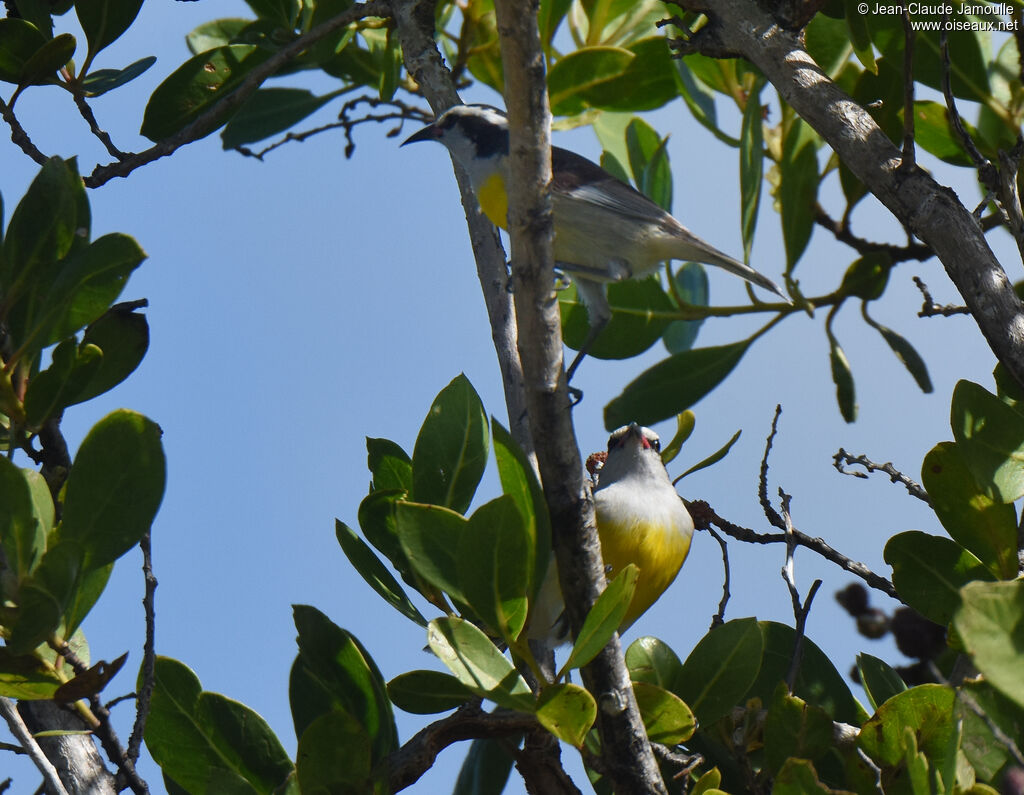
point(584, 180)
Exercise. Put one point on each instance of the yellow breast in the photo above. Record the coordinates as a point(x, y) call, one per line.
point(493, 200)
point(656, 543)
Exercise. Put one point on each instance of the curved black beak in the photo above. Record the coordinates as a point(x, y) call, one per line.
point(428, 133)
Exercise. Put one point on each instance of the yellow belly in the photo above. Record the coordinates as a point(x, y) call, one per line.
point(657, 550)
point(493, 200)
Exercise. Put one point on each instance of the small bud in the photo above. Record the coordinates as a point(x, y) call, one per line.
point(873, 623)
point(853, 598)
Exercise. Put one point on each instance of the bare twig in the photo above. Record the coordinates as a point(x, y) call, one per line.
point(719, 618)
point(28, 742)
point(800, 611)
point(468, 722)
point(762, 484)
point(219, 113)
point(842, 457)
point(841, 231)
point(1009, 195)
point(104, 137)
point(704, 516)
point(148, 652)
point(18, 134)
point(931, 309)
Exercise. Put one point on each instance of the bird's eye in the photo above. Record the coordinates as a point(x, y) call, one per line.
point(656, 445)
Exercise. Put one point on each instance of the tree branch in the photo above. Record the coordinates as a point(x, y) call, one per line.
point(931, 211)
point(31, 747)
point(414, 21)
point(842, 457)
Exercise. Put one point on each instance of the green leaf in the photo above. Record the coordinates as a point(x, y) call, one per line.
point(685, 422)
point(828, 43)
point(494, 566)
point(878, 679)
point(652, 661)
point(39, 12)
point(925, 709)
point(451, 448)
point(720, 669)
point(581, 71)
point(644, 83)
point(691, 287)
point(88, 590)
point(973, 519)
point(666, 717)
point(519, 481)
point(280, 12)
point(604, 618)
point(933, 133)
point(842, 377)
point(376, 575)
point(817, 682)
point(673, 385)
point(860, 36)
point(60, 384)
point(928, 572)
point(101, 81)
point(867, 276)
point(794, 728)
point(207, 742)
point(798, 777)
point(550, 16)
point(26, 677)
point(708, 783)
point(42, 67)
point(378, 521)
point(427, 692)
point(911, 359)
point(486, 768)
point(751, 165)
point(648, 162)
point(715, 457)
point(567, 711)
point(990, 621)
point(45, 596)
point(334, 756)
point(268, 112)
point(214, 34)
point(981, 748)
point(640, 314)
point(390, 465)
point(123, 337)
point(19, 41)
point(23, 517)
point(115, 487)
point(431, 537)
point(798, 191)
point(991, 438)
point(43, 225)
point(196, 85)
point(103, 21)
point(344, 671)
point(476, 662)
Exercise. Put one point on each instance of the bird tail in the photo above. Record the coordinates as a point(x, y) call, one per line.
point(687, 246)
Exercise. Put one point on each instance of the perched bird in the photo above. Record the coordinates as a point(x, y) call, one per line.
point(640, 520)
point(605, 231)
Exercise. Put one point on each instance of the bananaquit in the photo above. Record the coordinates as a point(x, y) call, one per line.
point(605, 231)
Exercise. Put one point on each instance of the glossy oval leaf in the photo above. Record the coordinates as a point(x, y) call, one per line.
point(715, 457)
point(645, 83)
point(389, 463)
point(794, 728)
point(196, 85)
point(494, 564)
point(476, 662)
point(19, 41)
point(667, 718)
point(431, 537)
point(751, 166)
point(451, 448)
point(929, 571)
point(60, 384)
point(991, 438)
point(115, 487)
point(567, 711)
point(604, 618)
point(346, 671)
point(215, 33)
point(909, 356)
point(842, 377)
point(427, 692)
point(971, 517)
point(878, 679)
point(651, 660)
point(379, 523)
point(123, 337)
point(42, 67)
point(487, 765)
point(26, 677)
point(100, 81)
point(22, 531)
point(270, 111)
point(334, 756)
point(685, 423)
point(927, 710)
point(798, 192)
point(103, 21)
point(581, 71)
point(519, 481)
point(720, 669)
point(641, 311)
point(692, 287)
point(375, 573)
point(990, 621)
point(673, 385)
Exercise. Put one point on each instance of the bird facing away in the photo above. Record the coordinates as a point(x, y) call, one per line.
point(640, 520)
point(605, 231)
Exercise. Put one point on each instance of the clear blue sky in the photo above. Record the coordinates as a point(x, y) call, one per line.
point(301, 304)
